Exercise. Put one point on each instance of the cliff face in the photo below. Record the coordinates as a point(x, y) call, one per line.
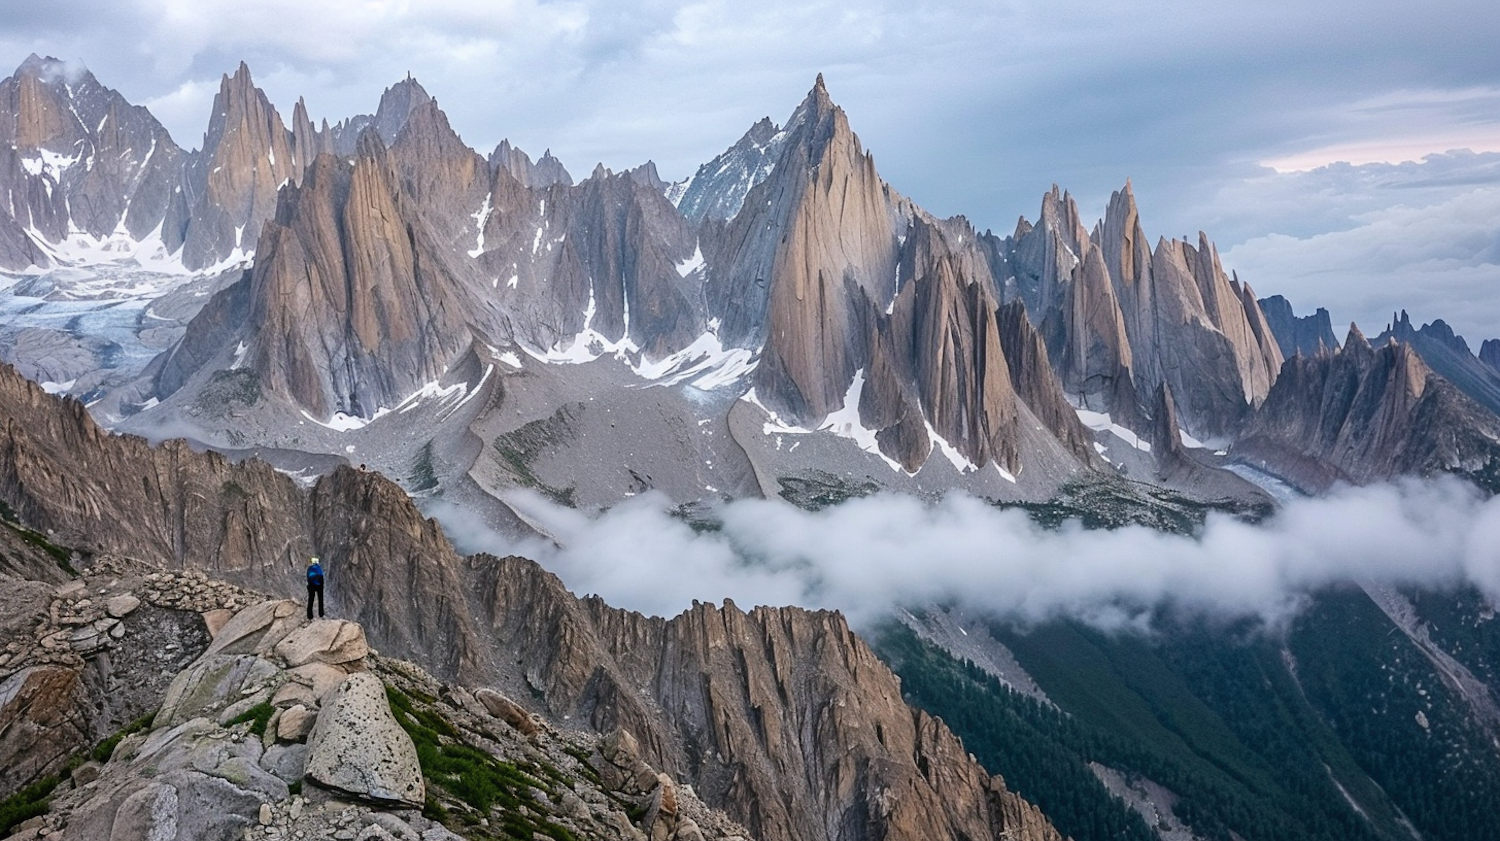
point(75, 155)
point(782, 717)
point(246, 157)
point(1120, 319)
point(788, 275)
point(1366, 414)
point(354, 301)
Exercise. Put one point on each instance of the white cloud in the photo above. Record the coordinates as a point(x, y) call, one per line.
point(1437, 261)
point(867, 555)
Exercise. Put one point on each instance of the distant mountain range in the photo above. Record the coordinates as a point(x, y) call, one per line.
point(782, 314)
point(326, 327)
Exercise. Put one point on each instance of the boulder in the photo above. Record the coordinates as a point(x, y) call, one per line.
point(331, 641)
point(257, 628)
point(214, 620)
point(122, 605)
point(286, 762)
point(507, 711)
point(295, 723)
point(358, 748)
point(293, 693)
point(321, 678)
point(212, 682)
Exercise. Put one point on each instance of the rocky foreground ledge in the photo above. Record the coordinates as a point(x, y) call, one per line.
point(280, 728)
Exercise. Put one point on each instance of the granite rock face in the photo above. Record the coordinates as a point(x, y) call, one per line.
point(246, 157)
point(1369, 413)
point(358, 748)
point(718, 189)
point(75, 155)
point(1121, 318)
point(353, 302)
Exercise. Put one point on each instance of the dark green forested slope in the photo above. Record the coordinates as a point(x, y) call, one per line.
point(1309, 733)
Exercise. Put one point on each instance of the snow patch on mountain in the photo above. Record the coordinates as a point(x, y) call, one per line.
point(1101, 422)
point(844, 422)
point(450, 397)
point(693, 263)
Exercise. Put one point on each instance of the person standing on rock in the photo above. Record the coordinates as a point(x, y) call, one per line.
point(314, 587)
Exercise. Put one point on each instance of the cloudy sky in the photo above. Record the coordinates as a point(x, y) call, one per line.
point(1226, 115)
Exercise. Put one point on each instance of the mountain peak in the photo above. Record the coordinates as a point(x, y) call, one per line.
point(817, 102)
point(1356, 337)
point(51, 70)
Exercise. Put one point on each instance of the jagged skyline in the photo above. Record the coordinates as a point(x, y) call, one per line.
point(968, 109)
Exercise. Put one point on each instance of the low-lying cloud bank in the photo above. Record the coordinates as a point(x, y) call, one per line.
point(870, 554)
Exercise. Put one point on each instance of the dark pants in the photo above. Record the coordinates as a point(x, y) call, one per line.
point(314, 590)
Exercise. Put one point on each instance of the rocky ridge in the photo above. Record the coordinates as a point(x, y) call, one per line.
point(781, 717)
point(1448, 355)
point(1308, 335)
point(279, 727)
point(1367, 413)
point(393, 263)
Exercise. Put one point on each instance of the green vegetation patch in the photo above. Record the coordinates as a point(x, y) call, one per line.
point(1040, 751)
point(26, 804)
point(105, 749)
point(259, 716)
point(1113, 503)
point(519, 448)
point(488, 786)
point(62, 557)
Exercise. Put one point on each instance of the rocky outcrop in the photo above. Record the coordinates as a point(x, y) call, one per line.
point(1449, 356)
point(718, 189)
point(944, 321)
point(817, 238)
point(1037, 385)
point(538, 176)
point(357, 747)
point(782, 717)
point(1366, 414)
point(1489, 353)
point(608, 259)
point(354, 300)
point(1121, 318)
point(173, 507)
point(1308, 335)
point(42, 723)
point(809, 684)
point(239, 730)
point(246, 157)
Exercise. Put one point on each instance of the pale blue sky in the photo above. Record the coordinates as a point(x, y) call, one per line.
point(972, 108)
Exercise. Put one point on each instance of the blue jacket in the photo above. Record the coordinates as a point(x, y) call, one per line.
point(315, 575)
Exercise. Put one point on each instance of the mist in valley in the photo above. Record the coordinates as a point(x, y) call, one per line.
point(871, 554)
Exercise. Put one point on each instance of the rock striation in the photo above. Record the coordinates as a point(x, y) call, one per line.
point(1121, 318)
point(1366, 414)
